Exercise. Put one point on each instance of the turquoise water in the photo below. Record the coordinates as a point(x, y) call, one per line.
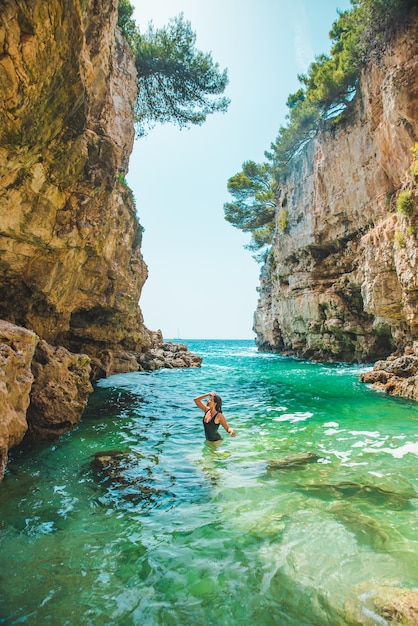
point(298, 520)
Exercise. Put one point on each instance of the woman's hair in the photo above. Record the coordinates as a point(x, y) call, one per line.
point(218, 402)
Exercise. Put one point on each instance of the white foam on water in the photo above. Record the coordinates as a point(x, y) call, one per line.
point(344, 456)
point(299, 416)
point(399, 453)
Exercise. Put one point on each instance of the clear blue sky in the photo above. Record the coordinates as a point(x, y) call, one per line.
point(202, 282)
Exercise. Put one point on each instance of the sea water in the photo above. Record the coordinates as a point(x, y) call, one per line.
point(300, 519)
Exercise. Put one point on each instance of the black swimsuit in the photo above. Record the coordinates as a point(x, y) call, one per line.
point(211, 429)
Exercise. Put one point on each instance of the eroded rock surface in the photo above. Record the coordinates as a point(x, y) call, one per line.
point(69, 235)
point(383, 603)
point(170, 355)
point(341, 281)
point(59, 392)
point(17, 347)
point(43, 389)
point(396, 376)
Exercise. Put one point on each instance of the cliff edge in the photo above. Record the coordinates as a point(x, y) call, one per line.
point(341, 280)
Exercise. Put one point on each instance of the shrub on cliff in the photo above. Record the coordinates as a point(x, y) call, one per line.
point(176, 82)
point(404, 203)
point(126, 22)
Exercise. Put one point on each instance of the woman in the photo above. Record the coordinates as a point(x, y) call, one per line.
point(213, 416)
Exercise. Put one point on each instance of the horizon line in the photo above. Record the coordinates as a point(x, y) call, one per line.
point(209, 338)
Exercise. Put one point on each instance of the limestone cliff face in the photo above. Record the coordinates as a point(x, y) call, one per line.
point(341, 282)
point(71, 269)
point(71, 265)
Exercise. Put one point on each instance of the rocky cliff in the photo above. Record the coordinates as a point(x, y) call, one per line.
point(71, 269)
point(71, 266)
point(341, 281)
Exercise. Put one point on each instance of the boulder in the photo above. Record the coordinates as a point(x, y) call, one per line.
point(169, 355)
point(59, 393)
point(17, 347)
point(383, 603)
point(293, 462)
point(397, 376)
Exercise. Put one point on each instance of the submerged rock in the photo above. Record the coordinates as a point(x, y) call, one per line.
point(380, 603)
point(127, 477)
point(365, 528)
point(350, 489)
point(108, 466)
point(293, 462)
point(108, 402)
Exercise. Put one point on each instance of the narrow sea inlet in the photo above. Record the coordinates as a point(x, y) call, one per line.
point(307, 517)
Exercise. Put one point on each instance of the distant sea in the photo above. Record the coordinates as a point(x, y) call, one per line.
point(132, 518)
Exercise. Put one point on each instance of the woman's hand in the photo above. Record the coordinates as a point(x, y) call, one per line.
point(199, 403)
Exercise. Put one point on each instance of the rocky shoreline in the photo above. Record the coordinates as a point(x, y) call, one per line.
point(396, 376)
point(44, 389)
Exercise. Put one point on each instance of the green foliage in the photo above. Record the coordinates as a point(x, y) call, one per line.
point(400, 239)
point(176, 82)
point(414, 168)
point(331, 81)
point(404, 203)
point(304, 119)
point(122, 179)
point(254, 206)
point(283, 220)
point(126, 22)
point(326, 91)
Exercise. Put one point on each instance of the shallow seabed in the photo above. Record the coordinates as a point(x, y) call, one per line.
point(301, 519)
